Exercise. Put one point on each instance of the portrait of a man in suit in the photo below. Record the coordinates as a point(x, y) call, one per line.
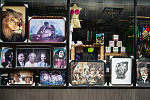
point(20, 61)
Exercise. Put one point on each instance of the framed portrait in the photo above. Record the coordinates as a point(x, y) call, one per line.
point(13, 23)
point(6, 57)
point(143, 73)
point(87, 73)
point(33, 57)
point(47, 29)
point(121, 71)
point(52, 77)
point(21, 77)
point(59, 57)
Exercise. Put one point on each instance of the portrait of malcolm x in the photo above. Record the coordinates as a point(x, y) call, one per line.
point(121, 69)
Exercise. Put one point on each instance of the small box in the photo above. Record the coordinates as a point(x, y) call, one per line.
point(123, 49)
point(108, 49)
point(119, 44)
point(115, 37)
point(115, 49)
point(111, 43)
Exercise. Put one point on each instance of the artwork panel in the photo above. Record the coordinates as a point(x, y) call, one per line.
point(13, 23)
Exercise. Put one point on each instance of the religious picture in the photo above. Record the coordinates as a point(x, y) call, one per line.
point(59, 57)
point(47, 29)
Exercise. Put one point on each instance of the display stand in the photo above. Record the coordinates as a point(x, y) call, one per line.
point(100, 52)
point(115, 54)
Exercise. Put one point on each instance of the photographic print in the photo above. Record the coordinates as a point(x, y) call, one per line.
point(13, 23)
point(87, 73)
point(52, 77)
point(21, 77)
point(100, 38)
point(33, 57)
point(6, 57)
point(143, 73)
point(59, 57)
point(46, 29)
point(121, 70)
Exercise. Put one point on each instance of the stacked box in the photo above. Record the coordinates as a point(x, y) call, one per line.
point(115, 46)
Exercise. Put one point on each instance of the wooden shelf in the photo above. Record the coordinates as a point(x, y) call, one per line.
point(115, 54)
point(101, 50)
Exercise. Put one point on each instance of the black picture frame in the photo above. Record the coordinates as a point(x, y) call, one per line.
point(143, 73)
point(40, 54)
point(14, 23)
point(22, 77)
point(52, 78)
point(80, 70)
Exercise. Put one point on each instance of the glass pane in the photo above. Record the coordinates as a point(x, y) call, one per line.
point(143, 43)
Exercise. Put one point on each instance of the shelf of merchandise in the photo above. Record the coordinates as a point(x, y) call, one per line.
point(69, 87)
point(31, 43)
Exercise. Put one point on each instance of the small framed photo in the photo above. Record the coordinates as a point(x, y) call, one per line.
point(100, 38)
point(59, 57)
point(123, 49)
point(21, 77)
point(52, 77)
point(115, 49)
point(13, 23)
point(119, 44)
point(33, 57)
point(47, 29)
point(143, 73)
point(7, 57)
point(108, 49)
point(121, 71)
point(88, 73)
point(115, 37)
point(111, 43)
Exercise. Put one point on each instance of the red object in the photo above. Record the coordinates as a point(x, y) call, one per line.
point(72, 12)
point(148, 29)
point(77, 11)
point(91, 36)
point(87, 36)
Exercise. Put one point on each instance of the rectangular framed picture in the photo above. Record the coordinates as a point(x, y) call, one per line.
point(52, 77)
point(87, 73)
point(59, 57)
point(13, 23)
point(121, 71)
point(33, 57)
point(143, 73)
point(21, 77)
point(100, 38)
point(7, 57)
point(47, 29)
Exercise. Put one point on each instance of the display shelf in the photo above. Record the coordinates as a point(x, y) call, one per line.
point(31, 68)
point(115, 54)
point(100, 52)
point(31, 43)
point(67, 87)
